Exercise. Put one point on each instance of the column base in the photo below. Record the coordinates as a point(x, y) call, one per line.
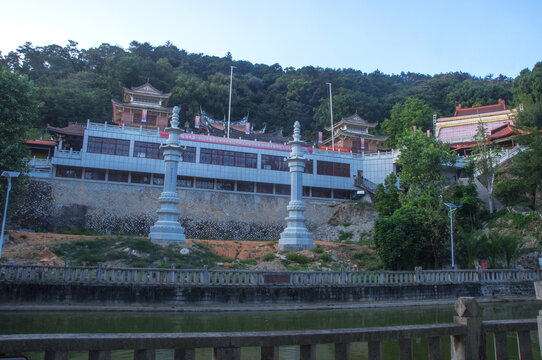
point(295, 239)
point(167, 234)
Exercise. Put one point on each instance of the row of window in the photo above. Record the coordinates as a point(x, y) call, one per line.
point(212, 156)
point(196, 182)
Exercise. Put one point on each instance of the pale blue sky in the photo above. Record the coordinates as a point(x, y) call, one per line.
point(427, 36)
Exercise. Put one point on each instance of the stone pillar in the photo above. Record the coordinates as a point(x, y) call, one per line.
point(296, 236)
point(168, 229)
point(471, 345)
point(538, 291)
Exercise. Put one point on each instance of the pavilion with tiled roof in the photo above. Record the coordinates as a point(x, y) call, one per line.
point(70, 136)
point(459, 130)
point(142, 106)
point(352, 133)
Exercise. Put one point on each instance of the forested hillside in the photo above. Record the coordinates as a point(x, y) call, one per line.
point(77, 84)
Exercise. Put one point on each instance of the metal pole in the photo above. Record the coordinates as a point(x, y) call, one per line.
point(452, 234)
point(4, 219)
point(331, 116)
point(229, 106)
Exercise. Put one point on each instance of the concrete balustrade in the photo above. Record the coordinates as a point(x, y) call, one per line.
point(100, 274)
point(467, 333)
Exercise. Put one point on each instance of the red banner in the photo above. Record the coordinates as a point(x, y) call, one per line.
point(320, 137)
point(196, 122)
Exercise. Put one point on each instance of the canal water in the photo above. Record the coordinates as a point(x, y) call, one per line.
point(167, 322)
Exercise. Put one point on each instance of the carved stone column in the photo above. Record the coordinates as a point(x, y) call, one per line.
point(296, 236)
point(168, 229)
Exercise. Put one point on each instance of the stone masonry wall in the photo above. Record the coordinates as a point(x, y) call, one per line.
point(108, 207)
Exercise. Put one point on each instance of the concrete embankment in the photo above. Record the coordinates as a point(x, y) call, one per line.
point(21, 293)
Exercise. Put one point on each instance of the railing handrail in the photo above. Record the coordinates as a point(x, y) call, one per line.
point(103, 274)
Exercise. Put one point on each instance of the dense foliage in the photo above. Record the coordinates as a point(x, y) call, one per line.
point(78, 84)
point(17, 110)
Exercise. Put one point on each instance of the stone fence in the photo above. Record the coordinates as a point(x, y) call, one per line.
point(104, 275)
point(467, 334)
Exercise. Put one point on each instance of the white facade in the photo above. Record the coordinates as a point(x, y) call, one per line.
point(374, 167)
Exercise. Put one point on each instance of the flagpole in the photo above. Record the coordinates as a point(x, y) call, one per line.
point(229, 106)
point(331, 116)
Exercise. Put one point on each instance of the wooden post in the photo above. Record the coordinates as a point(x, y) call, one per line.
point(342, 351)
point(307, 352)
point(229, 353)
point(269, 353)
point(185, 354)
point(468, 346)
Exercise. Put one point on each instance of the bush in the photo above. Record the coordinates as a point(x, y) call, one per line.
point(345, 235)
point(511, 192)
point(318, 249)
point(298, 258)
point(269, 257)
point(325, 257)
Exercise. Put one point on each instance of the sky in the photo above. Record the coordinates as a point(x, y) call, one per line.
point(423, 36)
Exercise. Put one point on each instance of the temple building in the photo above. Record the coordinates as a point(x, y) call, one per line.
point(241, 129)
point(352, 134)
point(143, 105)
point(459, 130)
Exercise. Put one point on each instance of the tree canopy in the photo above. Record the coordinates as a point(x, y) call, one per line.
point(76, 84)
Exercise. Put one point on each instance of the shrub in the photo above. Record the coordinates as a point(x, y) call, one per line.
point(298, 258)
point(269, 257)
point(325, 257)
point(345, 235)
point(511, 192)
point(318, 249)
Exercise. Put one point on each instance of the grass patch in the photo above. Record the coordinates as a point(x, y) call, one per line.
point(297, 258)
point(325, 257)
point(345, 235)
point(318, 249)
point(269, 257)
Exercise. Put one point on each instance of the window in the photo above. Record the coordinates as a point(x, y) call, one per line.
point(228, 185)
point(332, 168)
point(141, 178)
point(158, 179)
point(69, 172)
point(204, 183)
point(245, 186)
point(147, 150)
point(264, 188)
point(118, 176)
point(321, 192)
point(309, 167)
point(94, 174)
point(108, 146)
point(189, 154)
point(306, 191)
point(136, 117)
point(271, 162)
point(185, 181)
point(282, 189)
point(147, 100)
point(228, 158)
point(151, 118)
point(341, 194)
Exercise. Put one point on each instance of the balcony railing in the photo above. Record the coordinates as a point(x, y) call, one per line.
point(467, 336)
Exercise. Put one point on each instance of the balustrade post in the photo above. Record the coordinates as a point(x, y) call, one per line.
point(184, 354)
point(144, 354)
point(99, 355)
point(419, 274)
point(343, 276)
point(342, 351)
point(99, 272)
point(206, 275)
point(269, 353)
point(229, 353)
point(374, 350)
point(307, 352)
point(538, 291)
point(469, 346)
point(56, 355)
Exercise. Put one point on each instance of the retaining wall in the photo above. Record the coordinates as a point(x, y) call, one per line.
point(115, 294)
point(131, 208)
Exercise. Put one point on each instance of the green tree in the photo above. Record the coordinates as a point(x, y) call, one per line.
point(404, 116)
point(422, 161)
point(18, 108)
point(485, 160)
point(414, 235)
point(388, 196)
